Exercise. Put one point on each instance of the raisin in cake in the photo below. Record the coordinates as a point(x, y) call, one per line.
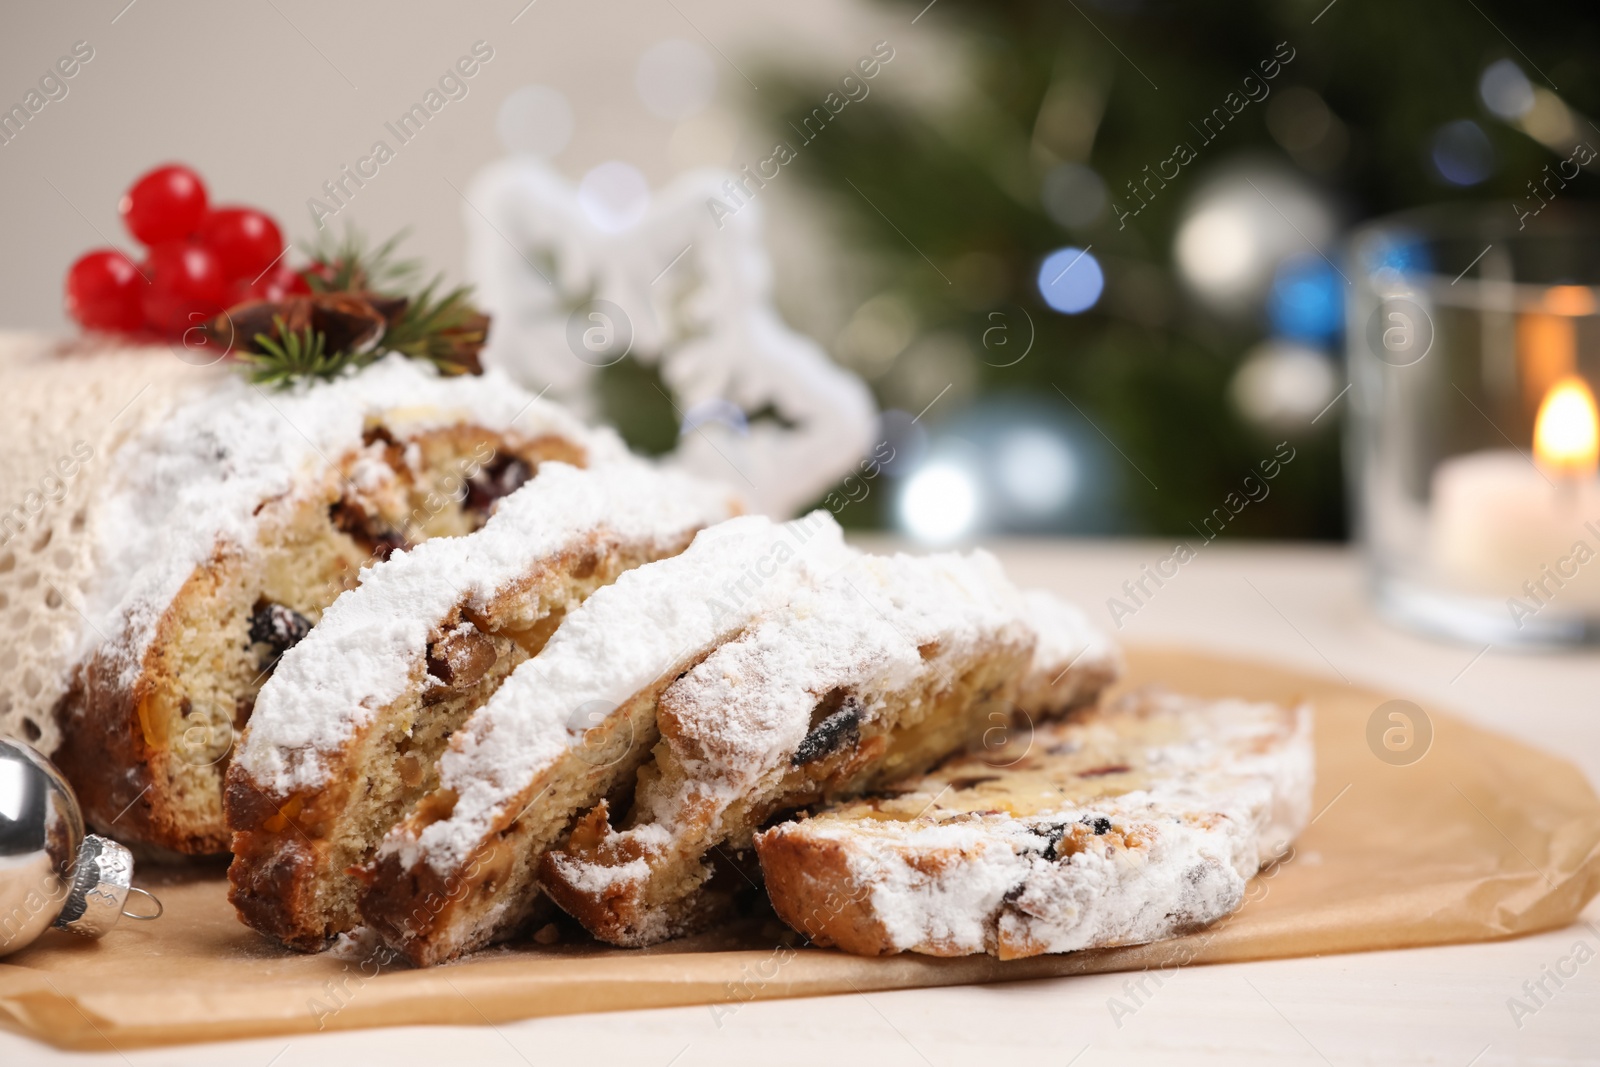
point(347, 734)
point(889, 667)
point(1119, 826)
point(570, 727)
point(223, 530)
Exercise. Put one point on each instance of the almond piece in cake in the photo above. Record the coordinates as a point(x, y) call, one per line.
point(891, 666)
point(347, 734)
point(1123, 825)
point(570, 727)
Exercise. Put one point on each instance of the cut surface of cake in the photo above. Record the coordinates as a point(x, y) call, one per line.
point(347, 734)
point(1122, 825)
point(1073, 661)
point(570, 727)
point(225, 529)
point(891, 666)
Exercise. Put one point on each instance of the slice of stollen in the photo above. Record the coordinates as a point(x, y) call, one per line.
point(1120, 826)
point(1073, 661)
point(570, 726)
point(889, 667)
point(347, 734)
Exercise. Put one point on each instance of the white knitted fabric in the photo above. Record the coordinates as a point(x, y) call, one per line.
point(68, 408)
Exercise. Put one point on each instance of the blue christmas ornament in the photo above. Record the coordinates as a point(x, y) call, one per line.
point(1306, 302)
point(1403, 251)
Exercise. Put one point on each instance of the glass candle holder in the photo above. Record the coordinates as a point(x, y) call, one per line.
point(1474, 359)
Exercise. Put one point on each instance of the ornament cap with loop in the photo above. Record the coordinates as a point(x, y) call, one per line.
point(101, 880)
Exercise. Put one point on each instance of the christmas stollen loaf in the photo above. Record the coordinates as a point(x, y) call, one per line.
point(222, 528)
point(887, 668)
point(346, 736)
point(570, 727)
point(1123, 825)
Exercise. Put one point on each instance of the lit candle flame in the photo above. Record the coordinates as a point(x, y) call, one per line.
point(1566, 435)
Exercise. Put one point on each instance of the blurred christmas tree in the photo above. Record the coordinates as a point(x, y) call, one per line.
point(1185, 171)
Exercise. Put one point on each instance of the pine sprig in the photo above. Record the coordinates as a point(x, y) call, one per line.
point(293, 356)
point(434, 328)
point(350, 266)
point(445, 330)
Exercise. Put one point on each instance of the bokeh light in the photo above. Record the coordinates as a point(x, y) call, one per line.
point(1461, 153)
point(1306, 301)
point(1240, 225)
point(1282, 386)
point(1073, 195)
point(1070, 280)
point(940, 502)
point(1505, 90)
point(1398, 252)
point(1036, 470)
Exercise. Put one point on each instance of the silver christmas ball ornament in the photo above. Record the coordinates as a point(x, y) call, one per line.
point(52, 874)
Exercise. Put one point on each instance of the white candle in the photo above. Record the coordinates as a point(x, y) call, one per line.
point(1507, 526)
point(1504, 528)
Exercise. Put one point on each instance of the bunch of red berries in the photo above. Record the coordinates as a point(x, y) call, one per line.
point(200, 260)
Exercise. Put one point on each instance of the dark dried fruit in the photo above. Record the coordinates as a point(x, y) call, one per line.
point(1101, 772)
point(1055, 834)
point(499, 478)
point(370, 533)
point(832, 732)
point(277, 628)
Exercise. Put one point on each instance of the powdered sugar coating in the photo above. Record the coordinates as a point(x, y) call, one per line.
point(617, 643)
point(1066, 639)
point(1197, 852)
point(364, 653)
point(1223, 794)
point(190, 486)
point(747, 707)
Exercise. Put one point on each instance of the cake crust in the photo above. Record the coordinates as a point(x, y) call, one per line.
point(892, 665)
point(1119, 826)
point(569, 729)
point(349, 731)
point(224, 529)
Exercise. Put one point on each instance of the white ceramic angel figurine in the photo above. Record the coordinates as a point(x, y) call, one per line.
point(576, 281)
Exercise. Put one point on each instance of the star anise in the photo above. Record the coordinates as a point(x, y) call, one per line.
point(346, 322)
point(351, 323)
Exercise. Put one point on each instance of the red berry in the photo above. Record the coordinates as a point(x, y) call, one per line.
point(244, 239)
point(104, 290)
point(277, 283)
point(164, 205)
point(187, 287)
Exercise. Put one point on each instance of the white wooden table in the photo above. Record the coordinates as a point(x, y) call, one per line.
point(1299, 606)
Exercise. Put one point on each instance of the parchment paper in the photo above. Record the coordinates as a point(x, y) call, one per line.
point(1481, 838)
